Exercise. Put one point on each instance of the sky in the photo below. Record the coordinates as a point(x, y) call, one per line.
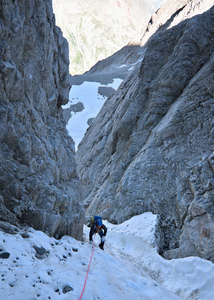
point(128, 267)
point(87, 93)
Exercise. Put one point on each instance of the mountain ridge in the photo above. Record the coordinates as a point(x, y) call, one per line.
point(95, 31)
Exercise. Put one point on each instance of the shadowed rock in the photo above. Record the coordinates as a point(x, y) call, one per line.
point(151, 148)
point(39, 185)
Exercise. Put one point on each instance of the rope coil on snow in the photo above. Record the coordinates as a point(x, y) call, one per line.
point(87, 272)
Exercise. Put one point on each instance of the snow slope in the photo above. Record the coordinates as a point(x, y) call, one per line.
point(190, 278)
point(87, 93)
point(120, 272)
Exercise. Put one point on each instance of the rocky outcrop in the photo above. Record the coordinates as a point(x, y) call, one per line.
point(39, 185)
point(151, 146)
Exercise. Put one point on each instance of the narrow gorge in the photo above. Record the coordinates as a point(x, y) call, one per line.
point(149, 149)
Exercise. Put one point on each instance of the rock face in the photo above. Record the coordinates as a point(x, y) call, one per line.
point(96, 29)
point(39, 185)
point(151, 146)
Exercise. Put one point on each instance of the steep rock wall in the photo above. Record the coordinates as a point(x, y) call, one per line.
point(39, 185)
point(151, 146)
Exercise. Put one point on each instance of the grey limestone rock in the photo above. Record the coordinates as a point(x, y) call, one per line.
point(67, 289)
point(150, 148)
point(41, 252)
point(3, 254)
point(39, 185)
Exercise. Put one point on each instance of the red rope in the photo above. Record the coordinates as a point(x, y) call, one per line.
point(87, 272)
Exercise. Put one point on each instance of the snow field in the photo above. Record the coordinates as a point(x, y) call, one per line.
point(128, 268)
point(190, 278)
point(87, 93)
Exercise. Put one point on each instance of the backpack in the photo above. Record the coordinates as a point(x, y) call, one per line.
point(96, 219)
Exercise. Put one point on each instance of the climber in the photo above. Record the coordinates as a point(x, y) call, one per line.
point(98, 227)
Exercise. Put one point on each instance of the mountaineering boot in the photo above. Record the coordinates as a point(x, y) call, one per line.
point(101, 245)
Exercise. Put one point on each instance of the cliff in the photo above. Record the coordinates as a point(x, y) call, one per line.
point(150, 148)
point(39, 185)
